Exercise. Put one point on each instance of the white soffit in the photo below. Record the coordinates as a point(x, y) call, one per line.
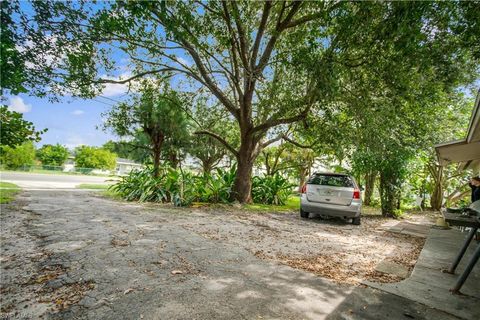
point(465, 151)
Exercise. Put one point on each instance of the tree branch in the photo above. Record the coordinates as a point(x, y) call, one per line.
point(278, 30)
point(138, 75)
point(221, 140)
point(269, 142)
point(298, 144)
point(207, 80)
point(275, 122)
point(303, 20)
point(261, 146)
point(241, 34)
point(261, 30)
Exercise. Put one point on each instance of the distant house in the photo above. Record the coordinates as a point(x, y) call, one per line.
point(69, 165)
point(124, 166)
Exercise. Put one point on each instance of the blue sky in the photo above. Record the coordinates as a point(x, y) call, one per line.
point(71, 122)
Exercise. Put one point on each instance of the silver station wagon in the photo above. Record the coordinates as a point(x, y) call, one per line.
point(331, 195)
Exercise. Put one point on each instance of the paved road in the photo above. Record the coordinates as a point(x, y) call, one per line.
point(49, 181)
point(72, 255)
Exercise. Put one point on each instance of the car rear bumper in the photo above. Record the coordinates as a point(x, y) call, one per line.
point(351, 211)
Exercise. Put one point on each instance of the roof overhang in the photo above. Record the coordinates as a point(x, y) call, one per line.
point(458, 151)
point(467, 151)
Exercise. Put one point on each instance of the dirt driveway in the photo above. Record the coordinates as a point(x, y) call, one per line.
point(77, 255)
point(333, 249)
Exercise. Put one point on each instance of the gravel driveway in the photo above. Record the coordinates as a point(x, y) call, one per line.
point(77, 255)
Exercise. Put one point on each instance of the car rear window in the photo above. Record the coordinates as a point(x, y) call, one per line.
point(331, 180)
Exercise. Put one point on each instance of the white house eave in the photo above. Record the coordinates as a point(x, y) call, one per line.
point(466, 151)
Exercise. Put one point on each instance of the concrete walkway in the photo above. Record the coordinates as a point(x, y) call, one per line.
point(429, 286)
point(407, 228)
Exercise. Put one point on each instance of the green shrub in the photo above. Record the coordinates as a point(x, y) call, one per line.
point(375, 202)
point(397, 213)
point(52, 155)
point(173, 186)
point(95, 158)
point(215, 188)
point(271, 189)
point(140, 186)
point(19, 156)
point(182, 188)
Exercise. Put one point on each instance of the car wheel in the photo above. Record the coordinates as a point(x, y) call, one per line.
point(304, 214)
point(356, 221)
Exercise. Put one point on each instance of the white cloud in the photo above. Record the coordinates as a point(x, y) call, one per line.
point(17, 104)
point(49, 59)
point(115, 89)
point(78, 112)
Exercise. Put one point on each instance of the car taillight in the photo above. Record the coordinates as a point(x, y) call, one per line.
point(356, 194)
point(304, 189)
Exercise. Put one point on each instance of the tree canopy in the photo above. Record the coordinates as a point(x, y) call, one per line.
point(270, 65)
point(94, 158)
point(20, 157)
point(52, 155)
point(155, 112)
point(15, 129)
point(134, 149)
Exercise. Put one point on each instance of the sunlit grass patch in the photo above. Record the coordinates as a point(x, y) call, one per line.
point(292, 204)
point(8, 191)
point(93, 186)
point(109, 193)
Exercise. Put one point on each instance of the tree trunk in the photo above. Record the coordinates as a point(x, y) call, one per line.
point(173, 159)
point(369, 187)
point(206, 166)
point(458, 196)
point(302, 177)
point(389, 193)
point(242, 186)
point(436, 198)
point(156, 162)
point(157, 143)
point(267, 163)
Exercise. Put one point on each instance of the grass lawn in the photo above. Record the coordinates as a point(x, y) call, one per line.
point(103, 188)
point(7, 191)
point(292, 204)
point(93, 186)
point(111, 194)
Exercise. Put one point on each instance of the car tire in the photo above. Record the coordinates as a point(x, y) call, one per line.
point(356, 221)
point(304, 214)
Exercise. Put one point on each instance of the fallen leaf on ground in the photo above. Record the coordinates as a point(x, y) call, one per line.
point(177, 271)
point(119, 242)
point(128, 291)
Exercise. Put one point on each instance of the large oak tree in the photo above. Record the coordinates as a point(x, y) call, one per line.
point(268, 63)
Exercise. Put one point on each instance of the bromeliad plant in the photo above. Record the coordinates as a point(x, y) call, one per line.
point(182, 188)
point(216, 188)
point(170, 185)
point(176, 186)
point(271, 189)
point(139, 186)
